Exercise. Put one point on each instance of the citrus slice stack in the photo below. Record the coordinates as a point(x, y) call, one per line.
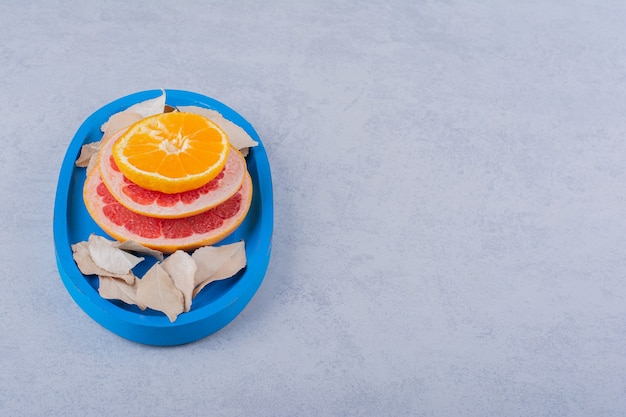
point(170, 181)
point(159, 204)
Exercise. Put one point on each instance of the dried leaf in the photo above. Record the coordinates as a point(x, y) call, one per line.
point(157, 290)
point(119, 121)
point(144, 109)
point(83, 260)
point(86, 152)
point(181, 267)
point(93, 161)
point(86, 265)
point(115, 289)
point(218, 262)
point(110, 258)
point(237, 136)
point(132, 246)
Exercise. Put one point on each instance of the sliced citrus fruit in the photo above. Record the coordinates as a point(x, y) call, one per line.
point(166, 235)
point(172, 152)
point(158, 204)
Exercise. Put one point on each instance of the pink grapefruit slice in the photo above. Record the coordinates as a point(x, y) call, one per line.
point(169, 206)
point(166, 235)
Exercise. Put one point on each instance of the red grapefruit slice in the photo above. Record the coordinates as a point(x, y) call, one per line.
point(166, 235)
point(157, 204)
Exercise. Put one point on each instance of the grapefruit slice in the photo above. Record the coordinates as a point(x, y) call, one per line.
point(158, 204)
point(172, 152)
point(166, 235)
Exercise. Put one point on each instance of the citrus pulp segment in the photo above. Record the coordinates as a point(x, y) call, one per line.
point(172, 152)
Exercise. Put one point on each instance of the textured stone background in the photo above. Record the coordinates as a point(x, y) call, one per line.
point(449, 206)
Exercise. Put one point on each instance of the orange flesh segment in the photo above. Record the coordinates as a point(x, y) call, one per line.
point(172, 152)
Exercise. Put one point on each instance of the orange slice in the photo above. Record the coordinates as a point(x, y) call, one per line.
point(172, 152)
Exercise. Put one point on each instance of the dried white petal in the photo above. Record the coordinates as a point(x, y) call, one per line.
point(86, 152)
point(182, 268)
point(115, 289)
point(144, 109)
point(217, 263)
point(86, 265)
point(157, 291)
point(132, 246)
point(236, 135)
point(110, 258)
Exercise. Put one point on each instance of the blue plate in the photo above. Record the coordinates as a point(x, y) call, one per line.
point(219, 302)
